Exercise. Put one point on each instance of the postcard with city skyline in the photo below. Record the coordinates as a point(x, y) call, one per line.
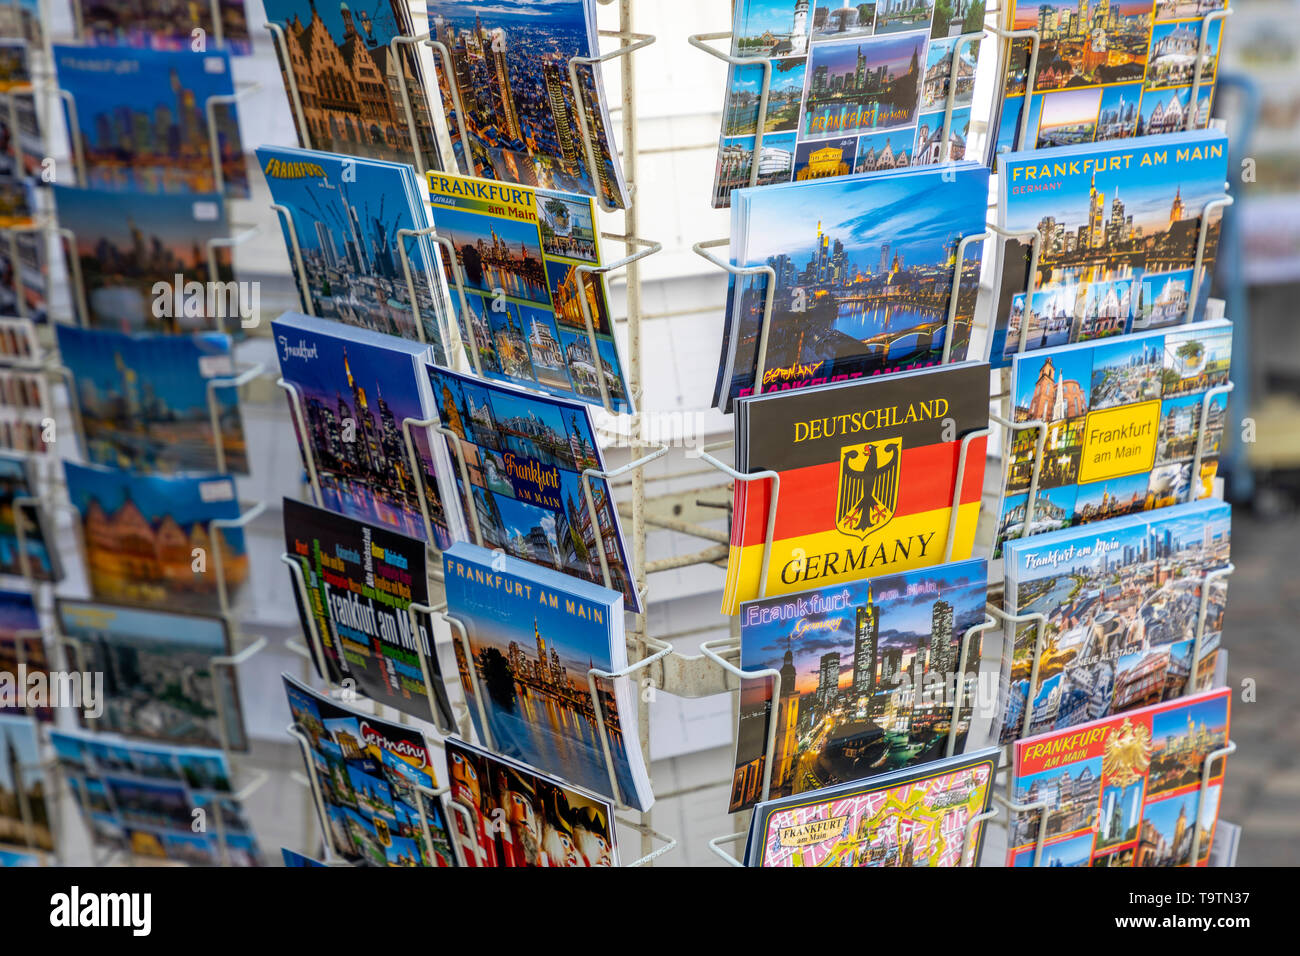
point(854, 87)
point(141, 799)
point(159, 679)
point(864, 275)
point(913, 817)
point(523, 818)
point(25, 821)
point(522, 120)
point(356, 388)
point(127, 242)
point(144, 400)
point(346, 68)
point(139, 533)
point(1113, 70)
point(1119, 228)
point(1125, 790)
point(534, 634)
point(42, 562)
point(868, 676)
point(1122, 602)
point(370, 774)
point(360, 580)
point(525, 455)
point(142, 134)
point(1123, 417)
point(519, 252)
point(164, 24)
point(346, 215)
point(22, 642)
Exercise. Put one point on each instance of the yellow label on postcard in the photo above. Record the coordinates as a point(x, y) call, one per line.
point(1119, 441)
point(814, 831)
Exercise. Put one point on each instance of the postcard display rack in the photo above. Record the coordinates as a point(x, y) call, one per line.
point(656, 665)
point(66, 304)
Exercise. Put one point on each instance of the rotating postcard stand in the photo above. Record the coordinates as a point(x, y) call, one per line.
point(1042, 807)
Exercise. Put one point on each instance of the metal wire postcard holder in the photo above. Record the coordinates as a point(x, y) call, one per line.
point(295, 250)
point(596, 274)
point(764, 63)
point(1031, 286)
point(49, 771)
point(1202, 240)
point(958, 700)
point(449, 335)
point(630, 43)
point(232, 383)
point(1218, 574)
point(1039, 621)
point(1040, 443)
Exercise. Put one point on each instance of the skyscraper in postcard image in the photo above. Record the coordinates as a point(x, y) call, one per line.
point(356, 388)
point(1117, 116)
point(511, 66)
point(143, 118)
point(1087, 45)
point(145, 402)
point(853, 671)
point(140, 534)
point(873, 84)
point(346, 217)
point(24, 813)
point(349, 75)
point(127, 242)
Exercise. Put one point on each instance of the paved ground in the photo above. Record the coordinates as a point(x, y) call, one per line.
point(1261, 633)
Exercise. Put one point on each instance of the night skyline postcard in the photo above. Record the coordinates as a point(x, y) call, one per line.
point(144, 399)
point(532, 652)
point(512, 64)
point(849, 649)
point(121, 92)
point(356, 387)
